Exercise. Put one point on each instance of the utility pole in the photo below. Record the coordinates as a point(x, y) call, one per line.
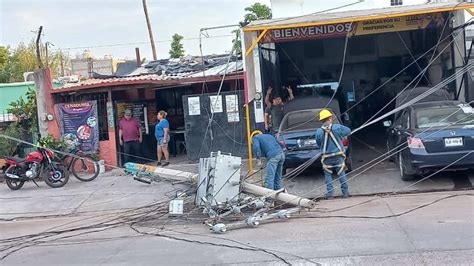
point(150, 32)
point(38, 53)
point(137, 56)
point(47, 44)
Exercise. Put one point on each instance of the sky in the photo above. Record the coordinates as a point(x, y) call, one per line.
point(116, 27)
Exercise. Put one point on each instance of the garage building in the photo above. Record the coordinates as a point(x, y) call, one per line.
point(363, 58)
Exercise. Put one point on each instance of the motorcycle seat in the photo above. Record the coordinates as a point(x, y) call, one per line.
point(16, 159)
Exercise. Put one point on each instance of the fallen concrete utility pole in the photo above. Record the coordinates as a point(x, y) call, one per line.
point(282, 196)
point(161, 171)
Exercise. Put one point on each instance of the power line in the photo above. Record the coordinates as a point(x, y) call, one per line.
point(139, 43)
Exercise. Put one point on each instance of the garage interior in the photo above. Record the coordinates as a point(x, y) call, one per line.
point(370, 61)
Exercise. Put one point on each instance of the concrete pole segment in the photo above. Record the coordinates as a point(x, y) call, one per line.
point(283, 197)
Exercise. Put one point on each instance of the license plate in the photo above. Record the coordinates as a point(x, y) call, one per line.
point(453, 142)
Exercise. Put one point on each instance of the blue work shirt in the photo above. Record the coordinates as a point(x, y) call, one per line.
point(339, 132)
point(159, 128)
point(265, 145)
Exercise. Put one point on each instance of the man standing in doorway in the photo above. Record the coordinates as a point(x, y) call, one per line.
point(329, 138)
point(265, 145)
point(130, 136)
point(275, 113)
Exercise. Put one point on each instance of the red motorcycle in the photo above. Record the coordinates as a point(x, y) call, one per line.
point(37, 163)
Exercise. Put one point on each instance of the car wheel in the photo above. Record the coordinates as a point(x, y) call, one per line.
point(403, 173)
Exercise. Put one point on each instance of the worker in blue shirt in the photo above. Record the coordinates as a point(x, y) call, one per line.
point(333, 156)
point(266, 145)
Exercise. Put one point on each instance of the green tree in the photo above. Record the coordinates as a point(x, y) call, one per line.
point(4, 55)
point(176, 50)
point(14, 62)
point(25, 111)
point(26, 124)
point(254, 12)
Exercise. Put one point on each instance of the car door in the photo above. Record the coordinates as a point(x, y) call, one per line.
point(399, 131)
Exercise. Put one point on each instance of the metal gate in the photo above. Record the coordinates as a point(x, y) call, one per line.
point(215, 123)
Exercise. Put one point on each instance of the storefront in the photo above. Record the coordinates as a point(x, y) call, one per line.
point(363, 59)
point(107, 99)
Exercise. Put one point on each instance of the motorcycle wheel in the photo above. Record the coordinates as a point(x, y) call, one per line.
point(13, 183)
point(57, 177)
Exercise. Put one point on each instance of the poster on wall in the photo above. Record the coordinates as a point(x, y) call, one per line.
point(232, 108)
point(216, 103)
point(139, 111)
point(194, 106)
point(78, 123)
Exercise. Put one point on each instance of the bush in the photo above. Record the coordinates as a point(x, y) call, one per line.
point(7, 146)
point(51, 143)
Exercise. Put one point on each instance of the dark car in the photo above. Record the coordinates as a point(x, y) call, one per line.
point(298, 128)
point(432, 136)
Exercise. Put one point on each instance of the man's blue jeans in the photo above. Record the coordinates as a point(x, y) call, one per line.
point(274, 171)
point(342, 177)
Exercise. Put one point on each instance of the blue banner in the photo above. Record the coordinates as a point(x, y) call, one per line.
point(79, 124)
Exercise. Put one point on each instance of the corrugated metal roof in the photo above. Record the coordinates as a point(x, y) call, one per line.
point(355, 15)
point(166, 71)
point(220, 70)
point(232, 68)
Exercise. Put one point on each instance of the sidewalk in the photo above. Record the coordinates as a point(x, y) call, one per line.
point(111, 191)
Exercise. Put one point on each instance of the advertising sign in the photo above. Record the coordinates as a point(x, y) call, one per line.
point(398, 24)
point(309, 33)
point(78, 123)
point(373, 26)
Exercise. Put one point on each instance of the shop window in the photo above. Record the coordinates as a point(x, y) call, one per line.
point(396, 2)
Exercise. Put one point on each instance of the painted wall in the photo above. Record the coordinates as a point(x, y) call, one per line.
point(13, 91)
point(101, 66)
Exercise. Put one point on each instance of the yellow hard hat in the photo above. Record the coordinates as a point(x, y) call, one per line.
point(325, 113)
point(255, 133)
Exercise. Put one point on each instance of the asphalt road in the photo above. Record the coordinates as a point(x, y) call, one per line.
point(359, 230)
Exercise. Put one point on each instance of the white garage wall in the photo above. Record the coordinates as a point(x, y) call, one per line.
point(291, 8)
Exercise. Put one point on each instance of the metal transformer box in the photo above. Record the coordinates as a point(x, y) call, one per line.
point(219, 179)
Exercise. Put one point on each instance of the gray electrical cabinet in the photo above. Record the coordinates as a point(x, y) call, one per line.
point(219, 180)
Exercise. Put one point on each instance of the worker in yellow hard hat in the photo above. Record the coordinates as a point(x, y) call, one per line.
point(333, 153)
point(266, 145)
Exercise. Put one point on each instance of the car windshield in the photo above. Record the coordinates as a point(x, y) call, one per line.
point(301, 120)
point(443, 116)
